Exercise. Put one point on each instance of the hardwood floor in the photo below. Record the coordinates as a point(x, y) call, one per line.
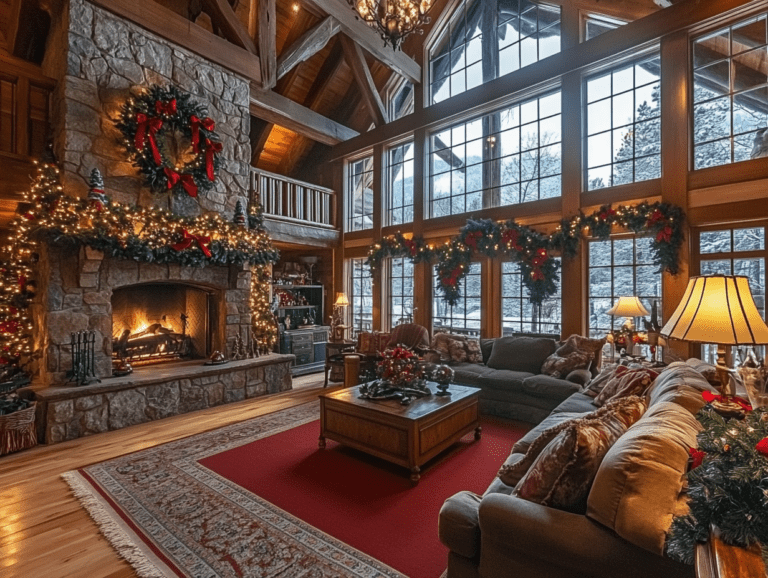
point(45, 533)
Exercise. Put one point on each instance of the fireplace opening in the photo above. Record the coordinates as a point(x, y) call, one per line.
point(161, 322)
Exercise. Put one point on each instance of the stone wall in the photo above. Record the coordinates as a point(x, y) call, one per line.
point(69, 413)
point(75, 288)
point(99, 59)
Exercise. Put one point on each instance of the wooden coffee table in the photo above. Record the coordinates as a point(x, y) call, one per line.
point(407, 435)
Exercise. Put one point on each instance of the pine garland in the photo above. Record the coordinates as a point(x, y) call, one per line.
point(729, 489)
point(533, 250)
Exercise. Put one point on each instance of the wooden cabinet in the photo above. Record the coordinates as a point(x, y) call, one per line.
point(301, 329)
point(308, 345)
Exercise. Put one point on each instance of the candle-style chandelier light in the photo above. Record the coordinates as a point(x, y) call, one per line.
point(393, 19)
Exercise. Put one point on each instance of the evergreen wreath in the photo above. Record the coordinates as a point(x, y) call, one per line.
point(149, 121)
point(727, 485)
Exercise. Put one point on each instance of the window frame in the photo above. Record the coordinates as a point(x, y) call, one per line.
point(349, 215)
point(525, 297)
point(387, 198)
point(389, 296)
point(437, 297)
point(350, 277)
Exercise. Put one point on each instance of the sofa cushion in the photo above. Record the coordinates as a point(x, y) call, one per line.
point(458, 525)
point(560, 366)
point(637, 487)
point(486, 346)
point(577, 403)
point(521, 353)
point(681, 384)
point(504, 379)
point(562, 474)
point(469, 373)
point(626, 382)
point(546, 386)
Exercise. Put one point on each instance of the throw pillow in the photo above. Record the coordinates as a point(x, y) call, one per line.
point(626, 381)
point(520, 353)
point(598, 382)
point(627, 410)
point(562, 474)
point(456, 348)
point(557, 366)
point(486, 346)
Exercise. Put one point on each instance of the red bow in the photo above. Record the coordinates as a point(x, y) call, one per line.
point(167, 108)
point(655, 217)
point(147, 129)
point(511, 238)
point(202, 241)
point(211, 148)
point(454, 277)
point(709, 397)
point(603, 215)
point(537, 274)
point(187, 181)
point(472, 238)
point(665, 234)
point(195, 123)
point(697, 456)
point(540, 258)
point(411, 246)
point(762, 446)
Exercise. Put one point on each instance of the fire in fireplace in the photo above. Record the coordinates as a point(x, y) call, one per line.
point(159, 322)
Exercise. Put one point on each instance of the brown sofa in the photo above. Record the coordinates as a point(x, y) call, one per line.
point(630, 506)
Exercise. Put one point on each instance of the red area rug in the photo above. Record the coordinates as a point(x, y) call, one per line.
point(258, 498)
point(362, 500)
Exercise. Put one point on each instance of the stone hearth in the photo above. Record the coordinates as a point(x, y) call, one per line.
point(152, 393)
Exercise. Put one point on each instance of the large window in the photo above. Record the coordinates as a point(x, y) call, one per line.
point(624, 125)
point(400, 291)
point(620, 268)
point(361, 296)
point(464, 317)
point(360, 194)
point(509, 156)
point(489, 38)
point(399, 196)
point(730, 94)
point(734, 252)
point(518, 313)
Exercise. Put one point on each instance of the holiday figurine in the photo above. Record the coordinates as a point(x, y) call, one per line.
point(96, 196)
point(239, 218)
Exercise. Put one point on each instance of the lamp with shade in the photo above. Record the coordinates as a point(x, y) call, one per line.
point(718, 309)
point(629, 307)
point(337, 326)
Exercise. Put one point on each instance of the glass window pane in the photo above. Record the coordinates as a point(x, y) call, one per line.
point(752, 239)
point(715, 242)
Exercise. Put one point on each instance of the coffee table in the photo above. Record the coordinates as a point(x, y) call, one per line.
point(407, 435)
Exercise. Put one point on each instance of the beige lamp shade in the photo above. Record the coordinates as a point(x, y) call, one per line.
point(717, 309)
point(628, 307)
point(341, 300)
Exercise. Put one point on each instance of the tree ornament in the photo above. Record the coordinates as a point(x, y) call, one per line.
point(762, 446)
point(239, 218)
point(96, 195)
point(171, 139)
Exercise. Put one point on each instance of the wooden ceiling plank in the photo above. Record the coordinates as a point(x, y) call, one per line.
point(308, 44)
point(356, 61)
point(272, 107)
point(365, 36)
point(268, 43)
point(13, 24)
point(260, 141)
point(171, 26)
point(235, 31)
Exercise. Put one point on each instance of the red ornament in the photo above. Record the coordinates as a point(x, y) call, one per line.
point(697, 456)
point(762, 446)
point(187, 181)
point(202, 241)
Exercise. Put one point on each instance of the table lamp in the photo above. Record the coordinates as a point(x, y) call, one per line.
point(718, 309)
point(629, 307)
point(337, 326)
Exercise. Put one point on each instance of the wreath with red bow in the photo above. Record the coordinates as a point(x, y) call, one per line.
point(171, 140)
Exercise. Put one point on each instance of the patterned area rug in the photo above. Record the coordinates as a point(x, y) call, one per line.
point(169, 516)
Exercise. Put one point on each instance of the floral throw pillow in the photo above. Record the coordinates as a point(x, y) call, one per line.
point(558, 366)
point(562, 475)
point(626, 381)
point(457, 348)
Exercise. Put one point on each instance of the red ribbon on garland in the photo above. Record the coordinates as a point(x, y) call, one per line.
point(167, 108)
point(655, 217)
point(202, 241)
point(187, 181)
point(147, 127)
point(211, 148)
point(762, 446)
point(665, 234)
point(709, 397)
point(512, 238)
point(195, 123)
point(454, 277)
point(471, 239)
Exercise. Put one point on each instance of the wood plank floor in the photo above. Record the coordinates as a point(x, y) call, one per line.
point(45, 533)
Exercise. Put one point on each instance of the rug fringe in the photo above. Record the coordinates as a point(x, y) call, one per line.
point(115, 535)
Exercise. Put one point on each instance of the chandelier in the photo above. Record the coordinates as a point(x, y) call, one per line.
point(393, 19)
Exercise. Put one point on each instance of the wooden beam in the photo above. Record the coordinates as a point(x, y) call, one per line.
point(275, 108)
point(260, 130)
point(13, 24)
point(363, 35)
point(267, 43)
point(235, 31)
point(356, 61)
point(169, 25)
point(308, 44)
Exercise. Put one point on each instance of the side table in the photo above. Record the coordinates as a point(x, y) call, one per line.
point(716, 559)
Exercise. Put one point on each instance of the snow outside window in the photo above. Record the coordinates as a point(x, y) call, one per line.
point(361, 297)
point(360, 194)
point(399, 192)
point(518, 313)
point(465, 316)
point(400, 291)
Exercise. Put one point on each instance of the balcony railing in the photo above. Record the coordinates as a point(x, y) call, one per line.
point(294, 201)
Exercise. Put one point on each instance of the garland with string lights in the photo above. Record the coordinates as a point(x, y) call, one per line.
point(152, 121)
point(150, 235)
point(533, 250)
point(265, 330)
point(727, 485)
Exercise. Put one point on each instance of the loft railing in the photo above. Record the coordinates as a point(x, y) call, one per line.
point(24, 108)
point(293, 201)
